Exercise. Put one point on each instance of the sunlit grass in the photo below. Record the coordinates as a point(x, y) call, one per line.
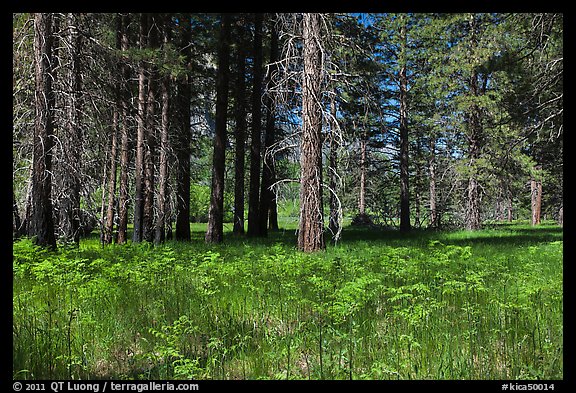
point(378, 305)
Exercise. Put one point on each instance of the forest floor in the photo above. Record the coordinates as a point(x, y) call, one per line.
point(379, 305)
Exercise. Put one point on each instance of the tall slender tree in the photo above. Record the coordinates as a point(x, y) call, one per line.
point(267, 196)
point(240, 128)
point(40, 223)
point(139, 196)
point(256, 135)
point(183, 137)
point(161, 206)
point(68, 161)
point(334, 222)
point(112, 174)
point(404, 142)
point(215, 230)
point(150, 134)
point(123, 197)
point(311, 222)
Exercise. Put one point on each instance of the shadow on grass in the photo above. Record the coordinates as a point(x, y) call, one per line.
point(495, 234)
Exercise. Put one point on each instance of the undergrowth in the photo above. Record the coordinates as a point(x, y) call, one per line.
point(379, 305)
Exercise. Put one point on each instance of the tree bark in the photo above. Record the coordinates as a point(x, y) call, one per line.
point(266, 193)
point(160, 227)
point(149, 149)
point(362, 196)
point(404, 169)
point(150, 136)
point(16, 221)
point(432, 188)
point(239, 133)
point(311, 224)
point(124, 140)
point(140, 141)
point(536, 198)
point(255, 144)
point(335, 209)
point(69, 201)
point(472, 216)
point(183, 143)
point(41, 225)
point(215, 230)
point(109, 220)
point(474, 138)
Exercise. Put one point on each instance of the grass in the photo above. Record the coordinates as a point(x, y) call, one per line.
point(379, 305)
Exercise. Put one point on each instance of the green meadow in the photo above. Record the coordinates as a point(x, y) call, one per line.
point(379, 305)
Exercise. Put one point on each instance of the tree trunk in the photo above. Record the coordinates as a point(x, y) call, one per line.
point(150, 136)
point(239, 133)
point(473, 221)
point(140, 141)
point(124, 140)
point(69, 201)
point(41, 225)
point(255, 144)
point(311, 225)
point(109, 221)
point(215, 231)
point(536, 198)
point(160, 230)
point(432, 173)
point(335, 209)
point(266, 193)
point(362, 196)
point(183, 143)
point(16, 221)
point(149, 149)
point(474, 138)
point(404, 169)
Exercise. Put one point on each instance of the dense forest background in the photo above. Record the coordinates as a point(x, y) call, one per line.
point(138, 124)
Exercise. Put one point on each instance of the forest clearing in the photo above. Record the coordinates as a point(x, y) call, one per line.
point(287, 196)
point(428, 305)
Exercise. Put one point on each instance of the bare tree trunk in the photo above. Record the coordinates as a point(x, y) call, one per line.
point(183, 143)
point(150, 136)
point(255, 145)
point(160, 230)
point(266, 193)
point(404, 169)
point(472, 218)
point(335, 209)
point(239, 132)
point(140, 141)
point(124, 140)
point(69, 203)
point(109, 221)
point(311, 225)
point(149, 149)
point(16, 221)
point(536, 199)
point(474, 137)
point(362, 196)
point(432, 173)
point(41, 225)
point(215, 230)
